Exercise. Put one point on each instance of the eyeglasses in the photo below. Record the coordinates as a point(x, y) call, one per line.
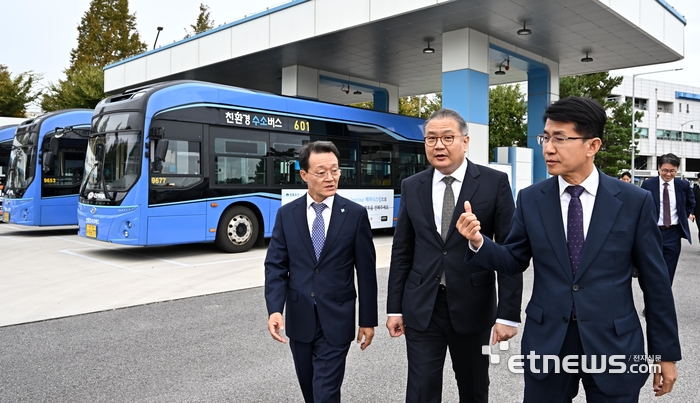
point(666, 171)
point(335, 173)
point(557, 140)
point(430, 141)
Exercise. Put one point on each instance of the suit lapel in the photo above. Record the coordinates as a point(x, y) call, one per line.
point(605, 210)
point(680, 200)
point(425, 198)
point(338, 215)
point(302, 224)
point(655, 195)
point(549, 205)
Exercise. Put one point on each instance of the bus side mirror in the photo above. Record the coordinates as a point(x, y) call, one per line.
point(53, 145)
point(99, 152)
point(47, 160)
point(156, 133)
point(161, 150)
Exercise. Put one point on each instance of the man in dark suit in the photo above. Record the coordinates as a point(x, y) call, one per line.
point(584, 231)
point(435, 299)
point(318, 243)
point(674, 201)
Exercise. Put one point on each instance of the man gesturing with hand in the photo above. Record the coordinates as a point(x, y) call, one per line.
point(584, 231)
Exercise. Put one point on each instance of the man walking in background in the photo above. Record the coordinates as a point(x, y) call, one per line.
point(433, 298)
point(675, 203)
point(318, 243)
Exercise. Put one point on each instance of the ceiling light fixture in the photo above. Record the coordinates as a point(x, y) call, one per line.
point(499, 72)
point(587, 59)
point(428, 50)
point(357, 92)
point(524, 30)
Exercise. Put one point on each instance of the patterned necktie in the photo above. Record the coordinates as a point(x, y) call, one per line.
point(448, 206)
point(574, 227)
point(667, 207)
point(318, 229)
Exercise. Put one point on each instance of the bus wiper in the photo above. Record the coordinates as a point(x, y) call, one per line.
point(83, 187)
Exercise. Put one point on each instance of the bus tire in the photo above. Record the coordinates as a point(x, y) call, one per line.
point(238, 230)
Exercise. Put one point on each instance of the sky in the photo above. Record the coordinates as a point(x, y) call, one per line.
point(42, 41)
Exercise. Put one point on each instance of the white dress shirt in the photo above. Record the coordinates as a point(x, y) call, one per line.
point(439, 191)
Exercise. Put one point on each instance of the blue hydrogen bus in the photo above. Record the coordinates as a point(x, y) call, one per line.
point(7, 133)
point(45, 169)
point(188, 162)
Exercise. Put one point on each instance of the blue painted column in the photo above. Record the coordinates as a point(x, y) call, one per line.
point(465, 86)
point(542, 89)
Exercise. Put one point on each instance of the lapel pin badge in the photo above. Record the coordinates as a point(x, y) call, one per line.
point(342, 210)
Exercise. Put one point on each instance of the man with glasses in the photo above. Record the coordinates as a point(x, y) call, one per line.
point(318, 243)
point(583, 232)
point(674, 201)
point(433, 298)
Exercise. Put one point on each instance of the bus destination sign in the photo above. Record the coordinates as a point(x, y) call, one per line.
point(266, 121)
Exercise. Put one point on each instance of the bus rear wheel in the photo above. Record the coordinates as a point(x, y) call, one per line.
point(237, 231)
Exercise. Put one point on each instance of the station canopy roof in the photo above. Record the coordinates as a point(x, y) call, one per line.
point(389, 50)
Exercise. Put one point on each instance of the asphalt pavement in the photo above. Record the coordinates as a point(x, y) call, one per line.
point(87, 322)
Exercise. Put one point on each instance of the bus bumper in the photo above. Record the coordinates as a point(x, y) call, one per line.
point(109, 224)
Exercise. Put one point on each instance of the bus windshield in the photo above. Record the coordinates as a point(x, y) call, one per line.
point(22, 164)
point(112, 163)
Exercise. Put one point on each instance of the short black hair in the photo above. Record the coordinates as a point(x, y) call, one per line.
point(316, 147)
point(587, 115)
point(627, 174)
point(670, 158)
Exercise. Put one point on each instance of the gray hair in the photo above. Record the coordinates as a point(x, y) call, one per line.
point(447, 113)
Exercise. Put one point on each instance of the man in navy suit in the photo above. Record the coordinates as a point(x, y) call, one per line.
point(584, 231)
point(435, 299)
point(318, 243)
point(675, 202)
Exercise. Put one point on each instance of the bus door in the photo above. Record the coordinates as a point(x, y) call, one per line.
point(177, 190)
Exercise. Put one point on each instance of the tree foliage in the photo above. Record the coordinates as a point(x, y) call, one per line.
point(106, 34)
point(83, 89)
point(507, 110)
point(17, 92)
point(420, 106)
point(614, 155)
point(203, 24)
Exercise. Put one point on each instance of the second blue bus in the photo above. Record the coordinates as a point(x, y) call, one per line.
point(45, 169)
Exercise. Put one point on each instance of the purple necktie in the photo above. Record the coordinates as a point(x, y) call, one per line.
point(318, 229)
point(574, 227)
point(667, 207)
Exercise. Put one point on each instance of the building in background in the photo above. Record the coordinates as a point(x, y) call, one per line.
point(671, 124)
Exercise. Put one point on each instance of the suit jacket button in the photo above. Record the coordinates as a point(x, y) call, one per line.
point(313, 294)
point(575, 287)
point(444, 252)
point(565, 319)
point(437, 278)
point(317, 271)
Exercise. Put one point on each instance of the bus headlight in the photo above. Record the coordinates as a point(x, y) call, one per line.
point(126, 234)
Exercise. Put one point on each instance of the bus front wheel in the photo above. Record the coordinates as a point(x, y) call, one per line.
point(238, 230)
